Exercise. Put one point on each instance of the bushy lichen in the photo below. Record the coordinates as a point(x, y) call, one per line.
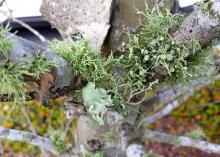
point(5, 44)
point(40, 65)
point(86, 62)
point(205, 7)
point(13, 73)
point(94, 154)
point(58, 139)
point(110, 138)
point(153, 49)
point(11, 78)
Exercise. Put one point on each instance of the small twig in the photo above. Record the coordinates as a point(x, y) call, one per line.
point(23, 24)
point(179, 97)
point(44, 153)
point(67, 126)
point(34, 31)
point(169, 108)
point(182, 141)
point(28, 119)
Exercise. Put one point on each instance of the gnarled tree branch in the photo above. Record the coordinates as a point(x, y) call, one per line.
point(182, 141)
point(24, 136)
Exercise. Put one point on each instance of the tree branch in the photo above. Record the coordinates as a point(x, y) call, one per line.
point(182, 141)
point(24, 136)
point(177, 97)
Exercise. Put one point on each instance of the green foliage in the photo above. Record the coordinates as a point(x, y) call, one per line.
point(40, 65)
point(153, 47)
point(151, 155)
point(58, 139)
point(94, 154)
point(5, 44)
point(12, 74)
point(205, 7)
point(110, 138)
point(86, 62)
point(96, 101)
point(199, 65)
point(196, 134)
point(11, 78)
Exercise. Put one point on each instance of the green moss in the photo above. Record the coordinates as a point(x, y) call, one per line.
point(93, 154)
point(58, 139)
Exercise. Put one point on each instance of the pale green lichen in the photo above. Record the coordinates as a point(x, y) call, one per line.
point(110, 138)
point(96, 101)
point(13, 73)
point(196, 134)
point(86, 62)
point(153, 46)
point(205, 7)
point(58, 139)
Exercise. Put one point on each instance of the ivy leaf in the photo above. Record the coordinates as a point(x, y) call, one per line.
point(96, 101)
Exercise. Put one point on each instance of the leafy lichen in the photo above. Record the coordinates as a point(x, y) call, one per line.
point(96, 101)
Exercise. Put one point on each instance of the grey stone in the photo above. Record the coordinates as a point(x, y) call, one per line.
point(89, 17)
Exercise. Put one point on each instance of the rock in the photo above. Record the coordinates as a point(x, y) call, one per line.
point(125, 19)
point(88, 129)
point(63, 74)
point(92, 19)
point(89, 17)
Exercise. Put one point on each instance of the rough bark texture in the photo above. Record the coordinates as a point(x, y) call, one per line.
point(89, 17)
point(182, 141)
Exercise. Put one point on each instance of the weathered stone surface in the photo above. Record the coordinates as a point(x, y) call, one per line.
point(90, 17)
point(63, 73)
point(88, 129)
point(125, 19)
